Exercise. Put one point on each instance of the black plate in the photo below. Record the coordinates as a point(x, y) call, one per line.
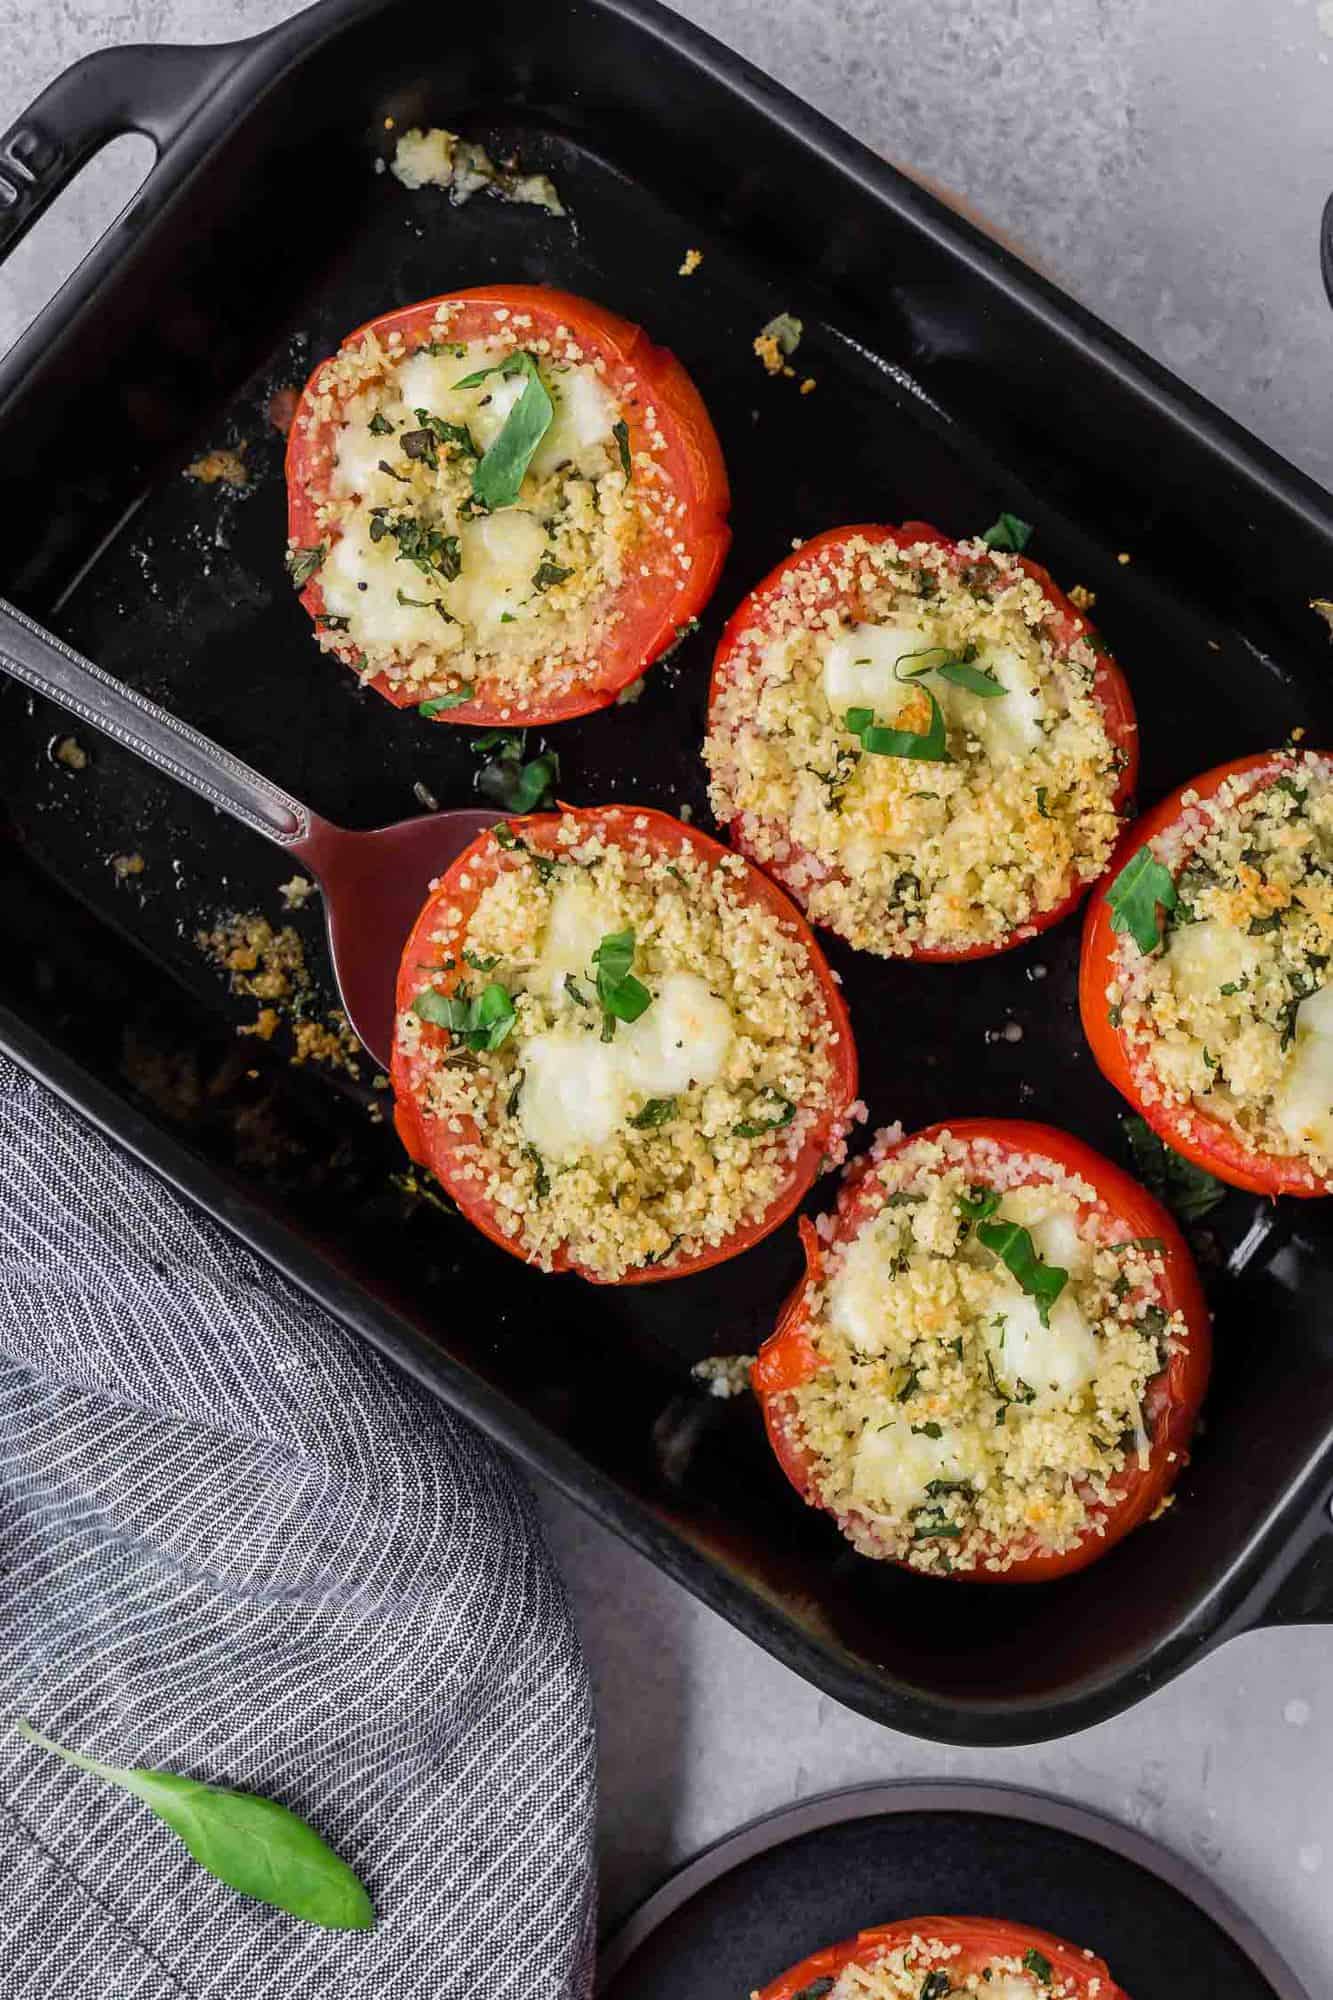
point(951, 383)
point(786, 1885)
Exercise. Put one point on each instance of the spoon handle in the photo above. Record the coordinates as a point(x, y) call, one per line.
point(42, 662)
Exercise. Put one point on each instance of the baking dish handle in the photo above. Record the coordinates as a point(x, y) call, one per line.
point(154, 91)
point(1305, 1594)
point(1326, 247)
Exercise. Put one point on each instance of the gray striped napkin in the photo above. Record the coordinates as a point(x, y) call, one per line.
point(237, 1545)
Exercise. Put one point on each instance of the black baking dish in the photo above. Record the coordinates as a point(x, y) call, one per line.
point(951, 382)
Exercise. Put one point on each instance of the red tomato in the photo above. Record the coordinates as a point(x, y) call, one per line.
point(645, 378)
point(788, 1357)
point(653, 832)
point(980, 1941)
point(820, 556)
point(1122, 1058)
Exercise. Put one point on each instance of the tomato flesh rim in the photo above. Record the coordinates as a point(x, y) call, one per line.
point(1188, 1130)
point(692, 453)
point(979, 1941)
point(1110, 691)
point(653, 831)
point(1172, 1399)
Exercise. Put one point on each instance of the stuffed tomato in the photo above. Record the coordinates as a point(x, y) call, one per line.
point(503, 504)
point(933, 1958)
point(1204, 984)
point(923, 740)
point(994, 1362)
point(618, 1047)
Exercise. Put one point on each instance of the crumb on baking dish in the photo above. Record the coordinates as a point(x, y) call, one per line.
point(297, 893)
point(724, 1375)
point(630, 693)
point(436, 158)
point(269, 966)
point(1323, 607)
point(690, 263)
point(68, 750)
point(1124, 557)
point(224, 467)
point(1080, 595)
point(777, 342)
point(808, 386)
point(123, 866)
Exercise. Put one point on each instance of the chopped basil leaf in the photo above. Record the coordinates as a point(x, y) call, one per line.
point(511, 1102)
point(1015, 1249)
point(542, 1181)
point(1188, 1189)
point(930, 747)
point(620, 432)
point(479, 964)
point(909, 1385)
point(579, 998)
point(379, 425)
point(816, 1990)
point(481, 1023)
point(930, 1430)
point(1008, 533)
point(1037, 1963)
point(978, 1203)
point(547, 574)
point(782, 1109)
point(457, 435)
point(1041, 802)
point(414, 603)
point(935, 1986)
point(434, 553)
point(657, 1111)
point(421, 445)
point(1133, 898)
point(620, 995)
point(302, 563)
point(976, 680)
point(401, 477)
point(509, 782)
point(498, 476)
point(786, 329)
point(935, 1526)
point(441, 702)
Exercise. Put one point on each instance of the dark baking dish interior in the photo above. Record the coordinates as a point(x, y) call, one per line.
point(950, 383)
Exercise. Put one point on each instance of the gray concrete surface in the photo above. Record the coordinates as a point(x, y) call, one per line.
point(1167, 161)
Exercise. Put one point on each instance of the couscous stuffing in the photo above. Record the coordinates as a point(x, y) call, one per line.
point(985, 1339)
point(1231, 1011)
point(925, 1968)
point(618, 1051)
point(918, 742)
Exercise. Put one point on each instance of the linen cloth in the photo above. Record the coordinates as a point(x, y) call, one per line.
point(236, 1544)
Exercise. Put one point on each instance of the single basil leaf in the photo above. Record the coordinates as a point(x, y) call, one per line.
point(435, 1007)
point(1041, 802)
point(786, 329)
point(1191, 1191)
point(494, 1018)
point(422, 445)
point(548, 574)
point(657, 1111)
point(782, 1109)
point(441, 702)
point(542, 1180)
point(379, 425)
point(1037, 1963)
point(1133, 898)
point(978, 1203)
point(514, 786)
point(499, 475)
point(251, 1844)
point(1016, 1250)
point(977, 680)
point(621, 996)
point(620, 432)
point(511, 365)
point(302, 563)
point(930, 746)
point(457, 435)
point(1008, 533)
point(935, 1986)
point(816, 1990)
point(615, 954)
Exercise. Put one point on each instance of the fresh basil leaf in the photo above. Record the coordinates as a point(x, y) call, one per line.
point(1133, 898)
point(433, 552)
point(379, 425)
point(251, 1844)
point(786, 329)
point(816, 1990)
point(935, 1527)
point(481, 1023)
point(620, 432)
point(547, 574)
point(436, 1007)
point(1037, 1963)
point(511, 365)
point(1041, 802)
point(542, 1181)
point(930, 747)
point(978, 1203)
point(1191, 1191)
point(930, 1430)
point(509, 782)
point(1015, 1249)
point(479, 964)
point(441, 702)
point(935, 1986)
point(976, 680)
point(457, 435)
point(621, 996)
point(657, 1111)
point(783, 1111)
point(302, 563)
point(421, 445)
point(1008, 533)
point(499, 474)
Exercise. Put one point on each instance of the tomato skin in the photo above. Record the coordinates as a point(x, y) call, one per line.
point(432, 1148)
point(979, 1940)
point(1187, 1130)
point(1067, 623)
point(651, 616)
point(1171, 1405)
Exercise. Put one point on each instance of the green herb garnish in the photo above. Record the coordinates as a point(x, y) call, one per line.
point(302, 563)
point(930, 746)
point(541, 1179)
point(1188, 1189)
point(514, 784)
point(480, 1023)
point(499, 474)
point(440, 702)
point(379, 425)
point(1041, 802)
point(620, 995)
point(1037, 1963)
point(781, 1109)
point(547, 574)
point(620, 432)
point(250, 1844)
point(978, 1203)
point(935, 1986)
point(1009, 533)
point(657, 1111)
point(1133, 898)
point(1016, 1250)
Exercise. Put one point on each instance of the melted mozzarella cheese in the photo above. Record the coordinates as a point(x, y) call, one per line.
point(499, 555)
point(375, 612)
point(858, 668)
point(583, 408)
point(1056, 1360)
point(1202, 958)
point(573, 1097)
point(858, 1295)
point(1053, 1230)
point(1006, 725)
point(357, 456)
point(1304, 1106)
point(683, 1038)
point(579, 918)
point(893, 1465)
point(584, 414)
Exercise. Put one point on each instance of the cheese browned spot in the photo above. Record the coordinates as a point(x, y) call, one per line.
point(420, 586)
point(648, 1139)
point(1235, 1012)
point(949, 1423)
point(896, 852)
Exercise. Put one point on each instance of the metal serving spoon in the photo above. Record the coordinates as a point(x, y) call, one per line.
point(374, 884)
